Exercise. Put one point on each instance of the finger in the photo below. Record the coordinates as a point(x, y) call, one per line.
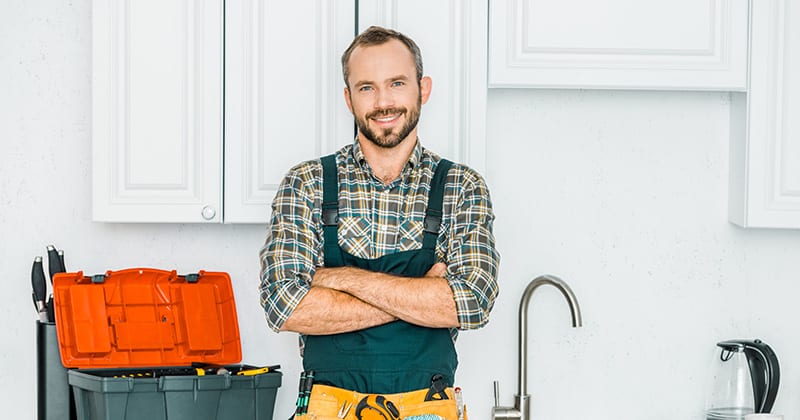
point(437, 270)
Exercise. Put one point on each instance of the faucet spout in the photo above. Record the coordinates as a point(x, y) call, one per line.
point(521, 409)
point(575, 311)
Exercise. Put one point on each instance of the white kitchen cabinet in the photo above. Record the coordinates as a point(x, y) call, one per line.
point(284, 98)
point(157, 110)
point(765, 133)
point(159, 151)
point(618, 44)
point(452, 37)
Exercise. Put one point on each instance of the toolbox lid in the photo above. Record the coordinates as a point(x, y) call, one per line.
point(145, 317)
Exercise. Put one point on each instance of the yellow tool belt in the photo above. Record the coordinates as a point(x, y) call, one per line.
point(331, 403)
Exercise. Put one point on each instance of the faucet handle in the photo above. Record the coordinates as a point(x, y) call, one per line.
point(496, 394)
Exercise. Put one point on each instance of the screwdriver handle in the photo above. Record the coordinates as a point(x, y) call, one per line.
point(258, 371)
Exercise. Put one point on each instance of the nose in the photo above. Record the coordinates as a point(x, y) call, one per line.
point(384, 99)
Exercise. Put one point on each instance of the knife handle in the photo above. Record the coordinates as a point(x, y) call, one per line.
point(61, 259)
point(53, 262)
point(51, 310)
point(39, 284)
point(38, 281)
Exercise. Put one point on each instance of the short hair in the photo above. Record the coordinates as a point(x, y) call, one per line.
point(376, 35)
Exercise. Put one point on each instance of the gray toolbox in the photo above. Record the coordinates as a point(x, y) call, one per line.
point(160, 394)
point(147, 344)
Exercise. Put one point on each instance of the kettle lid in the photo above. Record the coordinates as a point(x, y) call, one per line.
point(732, 345)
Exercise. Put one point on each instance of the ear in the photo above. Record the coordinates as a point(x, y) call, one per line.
point(347, 99)
point(425, 86)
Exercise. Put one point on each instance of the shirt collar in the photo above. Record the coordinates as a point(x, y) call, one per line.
point(358, 154)
point(416, 155)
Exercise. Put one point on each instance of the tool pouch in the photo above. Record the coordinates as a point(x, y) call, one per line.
point(331, 403)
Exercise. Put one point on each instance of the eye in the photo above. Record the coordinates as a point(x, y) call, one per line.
point(398, 83)
point(365, 88)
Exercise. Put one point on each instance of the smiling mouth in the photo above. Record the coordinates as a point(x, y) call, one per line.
point(386, 116)
point(386, 119)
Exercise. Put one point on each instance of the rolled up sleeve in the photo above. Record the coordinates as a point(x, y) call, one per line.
point(290, 252)
point(471, 256)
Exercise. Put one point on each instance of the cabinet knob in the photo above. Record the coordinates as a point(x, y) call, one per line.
point(208, 212)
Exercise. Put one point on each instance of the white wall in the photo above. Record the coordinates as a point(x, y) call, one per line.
point(622, 194)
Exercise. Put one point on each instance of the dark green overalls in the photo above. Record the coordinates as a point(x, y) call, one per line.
point(394, 357)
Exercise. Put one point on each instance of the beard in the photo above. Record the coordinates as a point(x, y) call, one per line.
point(390, 137)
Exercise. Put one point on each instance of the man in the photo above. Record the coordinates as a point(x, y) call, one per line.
point(379, 253)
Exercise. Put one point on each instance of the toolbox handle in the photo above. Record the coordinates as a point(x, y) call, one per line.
point(193, 277)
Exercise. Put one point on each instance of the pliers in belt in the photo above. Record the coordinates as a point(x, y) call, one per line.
point(383, 407)
point(436, 391)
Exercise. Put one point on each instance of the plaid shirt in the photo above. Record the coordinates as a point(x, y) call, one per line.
point(375, 220)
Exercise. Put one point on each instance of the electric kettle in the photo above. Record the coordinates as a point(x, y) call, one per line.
point(746, 377)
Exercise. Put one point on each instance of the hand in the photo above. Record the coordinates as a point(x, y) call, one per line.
point(437, 270)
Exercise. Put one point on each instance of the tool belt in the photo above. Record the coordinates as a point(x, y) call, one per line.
point(331, 403)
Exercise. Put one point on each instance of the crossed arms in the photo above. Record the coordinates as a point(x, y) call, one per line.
point(300, 296)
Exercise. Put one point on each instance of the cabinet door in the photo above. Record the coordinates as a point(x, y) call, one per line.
point(618, 44)
point(765, 132)
point(157, 110)
point(284, 100)
point(452, 38)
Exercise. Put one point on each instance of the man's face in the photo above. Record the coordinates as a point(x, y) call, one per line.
point(384, 96)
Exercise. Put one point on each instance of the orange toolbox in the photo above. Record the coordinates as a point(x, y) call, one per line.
point(148, 343)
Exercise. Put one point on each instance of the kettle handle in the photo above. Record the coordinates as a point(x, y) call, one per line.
point(765, 373)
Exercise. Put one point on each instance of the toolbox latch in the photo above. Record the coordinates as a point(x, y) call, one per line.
point(192, 278)
point(99, 278)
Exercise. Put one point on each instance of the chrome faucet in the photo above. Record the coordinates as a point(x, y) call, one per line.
point(521, 409)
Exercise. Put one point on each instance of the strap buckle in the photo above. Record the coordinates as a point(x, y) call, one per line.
point(433, 220)
point(330, 214)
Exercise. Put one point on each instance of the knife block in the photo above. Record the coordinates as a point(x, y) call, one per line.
point(54, 398)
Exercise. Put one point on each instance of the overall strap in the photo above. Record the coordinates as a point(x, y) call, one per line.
point(433, 215)
point(330, 212)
